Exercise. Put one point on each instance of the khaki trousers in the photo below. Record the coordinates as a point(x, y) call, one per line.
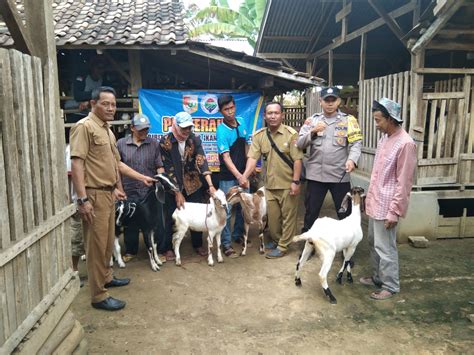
point(99, 239)
point(282, 216)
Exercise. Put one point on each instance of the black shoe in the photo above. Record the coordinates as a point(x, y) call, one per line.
point(109, 304)
point(117, 283)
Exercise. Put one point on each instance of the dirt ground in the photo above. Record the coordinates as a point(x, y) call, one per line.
point(251, 305)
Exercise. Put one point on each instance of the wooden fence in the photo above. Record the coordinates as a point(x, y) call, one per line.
point(395, 87)
point(35, 249)
point(294, 116)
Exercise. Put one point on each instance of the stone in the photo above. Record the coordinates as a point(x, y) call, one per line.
point(471, 317)
point(418, 241)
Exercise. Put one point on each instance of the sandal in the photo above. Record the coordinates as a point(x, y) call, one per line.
point(201, 251)
point(230, 252)
point(381, 295)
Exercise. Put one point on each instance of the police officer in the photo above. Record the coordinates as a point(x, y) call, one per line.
point(283, 161)
point(333, 141)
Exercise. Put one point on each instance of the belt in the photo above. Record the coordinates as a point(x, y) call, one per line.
point(104, 188)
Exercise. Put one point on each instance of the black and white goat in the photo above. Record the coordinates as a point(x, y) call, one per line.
point(254, 210)
point(329, 236)
point(201, 217)
point(146, 216)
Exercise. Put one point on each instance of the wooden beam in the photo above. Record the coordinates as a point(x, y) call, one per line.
point(331, 68)
point(363, 45)
point(391, 23)
point(436, 26)
point(288, 64)
point(451, 45)
point(416, 13)
point(135, 74)
point(344, 22)
point(346, 10)
point(367, 28)
point(444, 71)
point(416, 101)
point(453, 31)
point(238, 63)
point(336, 56)
point(17, 29)
point(118, 68)
point(283, 55)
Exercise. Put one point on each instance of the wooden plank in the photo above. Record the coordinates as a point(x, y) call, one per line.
point(72, 340)
point(470, 139)
point(365, 29)
point(5, 215)
point(406, 100)
point(39, 232)
point(441, 129)
point(395, 88)
point(389, 86)
point(20, 274)
point(451, 121)
point(18, 31)
point(41, 138)
point(22, 115)
point(45, 255)
point(389, 21)
point(443, 95)
point(436, 26)
point(135, 74)
point(60, 332)
point(4, 324)
point(431, 136)
point(331, 68)
point(10, 146)
point(416, 89)
point(71, 288)
point(10, 296)
point(451, 45)
point(346, 10)
point(438, 162)
point(363, 47)
point(34, 274)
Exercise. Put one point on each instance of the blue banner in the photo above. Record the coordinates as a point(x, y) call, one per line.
point(161, 105)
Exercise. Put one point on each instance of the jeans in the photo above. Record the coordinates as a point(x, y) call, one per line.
point(239, 220)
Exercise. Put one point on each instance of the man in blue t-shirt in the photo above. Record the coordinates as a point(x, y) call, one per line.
point(232, 144)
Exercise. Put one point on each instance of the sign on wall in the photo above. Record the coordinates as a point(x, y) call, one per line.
point(161, 105)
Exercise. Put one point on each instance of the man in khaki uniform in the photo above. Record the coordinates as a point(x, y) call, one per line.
point(95, 175)
point(282, 182)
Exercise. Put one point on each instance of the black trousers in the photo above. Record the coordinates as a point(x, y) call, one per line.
point(316, 192)
point(167, 242)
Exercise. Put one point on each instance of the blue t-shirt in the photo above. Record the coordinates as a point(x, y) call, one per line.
point(226, 142)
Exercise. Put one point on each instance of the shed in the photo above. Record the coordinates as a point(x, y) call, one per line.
point(416, 52)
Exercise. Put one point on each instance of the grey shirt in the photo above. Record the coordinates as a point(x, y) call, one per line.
point(326, 155)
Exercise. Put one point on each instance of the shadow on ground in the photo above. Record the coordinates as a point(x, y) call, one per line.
point(251, 305)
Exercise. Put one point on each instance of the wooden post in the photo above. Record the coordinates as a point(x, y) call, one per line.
point(344, 23)
point(416, 128)
point(19, 32)
point(309, 67)
point(135, 74)
point(363, 44)
point(330, 70)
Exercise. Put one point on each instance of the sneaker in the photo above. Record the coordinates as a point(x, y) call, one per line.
point(271, 245)
point(230, 252)
point(275, 253)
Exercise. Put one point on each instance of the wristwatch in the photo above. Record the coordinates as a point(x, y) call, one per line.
point(81, 201)
point(296, 182)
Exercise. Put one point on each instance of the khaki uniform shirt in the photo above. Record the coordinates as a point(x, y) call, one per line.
point(278, 174)
point(326, 155)
point(92, 141)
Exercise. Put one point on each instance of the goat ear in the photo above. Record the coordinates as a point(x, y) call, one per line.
point(362, 203)
point(345, 203)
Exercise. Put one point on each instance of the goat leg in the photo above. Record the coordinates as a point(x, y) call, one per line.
point(177, 239)
point(246, 234)
point(147, 238)
point(308, 248)
point(329, 295)
point(210, 239)
point(220, 259)
point(153, 247)
point(118, 254)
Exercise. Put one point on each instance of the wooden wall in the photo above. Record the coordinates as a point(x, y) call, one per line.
point(35, 249)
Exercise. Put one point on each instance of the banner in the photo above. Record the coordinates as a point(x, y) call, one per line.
point(161, 105)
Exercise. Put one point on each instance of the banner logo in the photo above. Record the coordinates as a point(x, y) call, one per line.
point(209, 104)
point(190, 103)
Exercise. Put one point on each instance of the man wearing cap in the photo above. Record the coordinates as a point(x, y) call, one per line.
point(232, 144)
point(388, 196)
point(185, 162)
point(95, 173)
point(283, 165)
point(142, 153)
point(333, 142)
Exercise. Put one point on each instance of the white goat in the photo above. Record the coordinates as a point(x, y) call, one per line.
point(200, 217)
point(329, 236)
point(254, 210)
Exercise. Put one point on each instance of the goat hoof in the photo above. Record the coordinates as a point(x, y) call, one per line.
point(332, 300)
point(262, 251)
point(122, 266)
point(339, 278)
point(178, 263)
point(298, 282)
point(350, 279)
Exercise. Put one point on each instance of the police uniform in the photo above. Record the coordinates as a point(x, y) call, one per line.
point(326, 157)
point(282, 207)
point(93, 141)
